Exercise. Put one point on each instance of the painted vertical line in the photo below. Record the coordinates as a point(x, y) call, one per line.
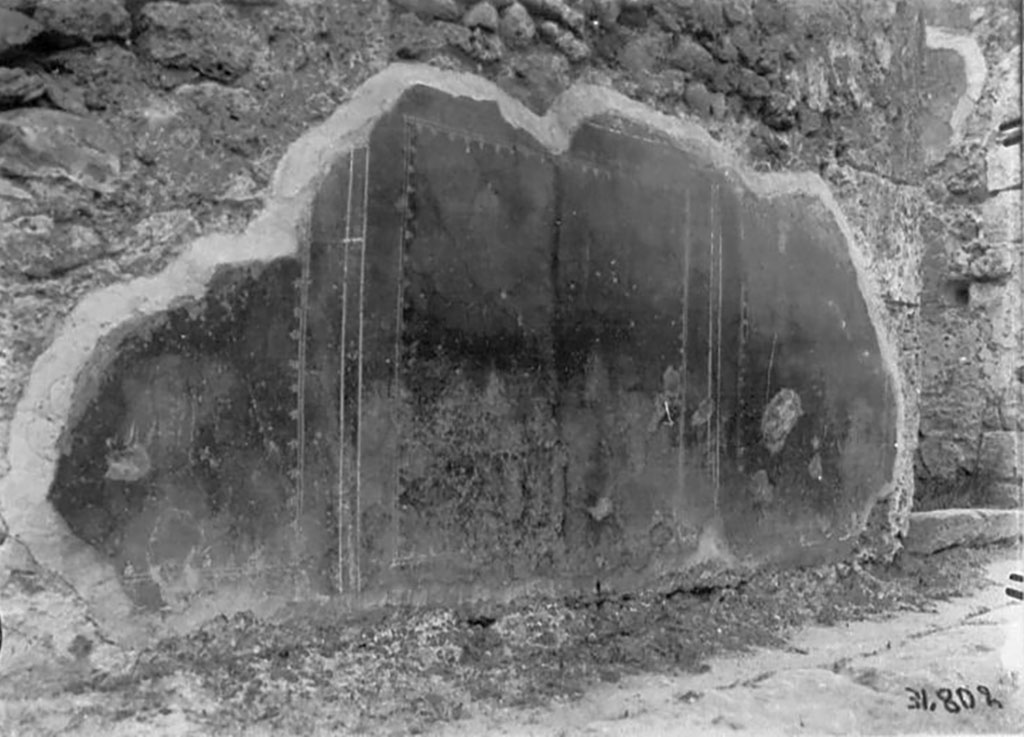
point(713, 338)
point(406, 214)
point(300, 383)
point(741, 347)
point(356, 522)
point(768, 375)
point(685, 329)
point(341, 381)
point(718, 359)
point(559, 465)
point(709, 459)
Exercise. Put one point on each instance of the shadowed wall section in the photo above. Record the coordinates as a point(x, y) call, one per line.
point(492, 364)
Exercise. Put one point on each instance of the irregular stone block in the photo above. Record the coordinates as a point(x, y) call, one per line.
point(205, 37)
point(35, 247)
point(698, 99)
point(752, 85)
point(999, 453)
point(995, 263)
point(413, 38)
point(22, 6)
point(447, 10)
point(38, 144)
point(84, 21)
point(482, 15)
point(1005, 495)
point(639, 54)
point(933, 531)
point(989, 294)
point(19, 88)
point(691, 57)
point(517, 27)
point(956, 411)
point(16, 31)
point(574, 49)
point(1002, 217)
point(942, 457)
point(481, 45)
point(604, 12)
point(556, 10)
point(536, 77)
point(1003, 168)
point(1006, 83)
point(155, 233)
point(69, 99)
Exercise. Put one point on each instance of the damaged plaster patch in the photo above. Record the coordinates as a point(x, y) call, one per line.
point(975, 71)
point(67, 376)
point(779, 419)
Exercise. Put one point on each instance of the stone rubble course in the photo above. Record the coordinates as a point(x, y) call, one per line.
point(745, 53)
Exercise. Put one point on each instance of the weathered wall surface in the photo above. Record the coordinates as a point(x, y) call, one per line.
point(971, 422)
point(128, 129)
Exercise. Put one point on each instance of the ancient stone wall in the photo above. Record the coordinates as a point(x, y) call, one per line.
point(129, 129)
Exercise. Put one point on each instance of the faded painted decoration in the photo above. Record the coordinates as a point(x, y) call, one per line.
point(492, 363)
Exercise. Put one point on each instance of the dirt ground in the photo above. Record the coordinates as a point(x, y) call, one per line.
point(826, 650)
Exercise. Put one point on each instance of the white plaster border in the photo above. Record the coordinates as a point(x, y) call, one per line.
point(89, 338)
point(975, 72)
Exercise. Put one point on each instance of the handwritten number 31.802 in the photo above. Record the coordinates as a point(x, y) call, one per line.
point(964, 699)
